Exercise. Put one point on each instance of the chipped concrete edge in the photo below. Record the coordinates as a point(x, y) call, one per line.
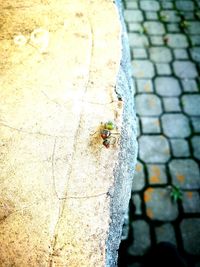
point(124, 170)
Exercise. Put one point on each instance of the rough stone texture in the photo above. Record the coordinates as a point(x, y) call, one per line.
point(157, 173)
point(191, 201)
point(165, 233)
point(185, 69)
point(53, 211)
point(139, 178)
point(160, 54)
point(167, 86)
point(150, 125)
point(191, 104)
point(185, 173)
point(196, 146)
point(191, 235)
point(159, 205)
point(153, 149)
point(141, 238)
point(148, 105)
point(180, 148)
point(175, 125)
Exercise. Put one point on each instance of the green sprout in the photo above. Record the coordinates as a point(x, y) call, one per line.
point(184, 24)
point(109, 125)
point(164, 18)
point(176, 193)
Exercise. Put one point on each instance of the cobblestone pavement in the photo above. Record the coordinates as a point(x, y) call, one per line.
point(164, 38)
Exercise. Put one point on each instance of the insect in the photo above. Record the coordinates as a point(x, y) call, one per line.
point(107, 135)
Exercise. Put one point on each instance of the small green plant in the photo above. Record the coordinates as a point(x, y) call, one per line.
point(164, 18)
point(184, 24)
point(176, 193)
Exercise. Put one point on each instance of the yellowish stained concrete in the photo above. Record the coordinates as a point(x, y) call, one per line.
point(56, 87)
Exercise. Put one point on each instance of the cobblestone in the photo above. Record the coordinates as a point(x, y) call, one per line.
point(137, 204)
point(141, 236)
point(167, 5)
point(194, 27)
point(137, 40)
point(149, 5)
point(163, 69)
point(131, 5)
point(195, 39)
point(134, 27)
point(153, 27)
point(170, 16)
point(177, 40)
point(139, 53)
point(159, 205)
point(175, 125)
point(167, 86)
point(180, 148)
point(143, 69)
point(171, 104)
point(144, 85)
point(173, 27)
point(196, 124)
point(150, 15)
point(150, 125)
point(185, 5)
point(148, 105)
point(160, 54)
point(196, 146)
point(185, 173)
point(195, 53)
point(156, 40)
point(190, 231)
point(165, 233)
point(151, 153)
point(133, 16)
point(180, 53)
point(139, 178)
point(191, 202)
point(157, 174)
point(185, 69)
point(189, 85)
point(191, 104)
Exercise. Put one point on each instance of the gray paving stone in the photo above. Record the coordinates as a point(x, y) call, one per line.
point(154, 27)
point(190, 232)
point(160, 54)
point(185, 5)
point(139, 177)
point(137, 40)
point(157, 174)
point(194, 27)
point(173, 27)
point(131, 5)
point(141, 237)
point(143, 69)
point(195, 39)
point(159, 205)
point(171, 104)
point(175, 125)
point(196, 124)
point(149, 5)
point(163, 69)
point(196, 146)
point(134, 27)
point(137, 204)
point(165, 233)
point(150, 15)
point(167, 86)
point(139, 53)
point(195, 53)
point(144, 86)
point(156, 40)
point(177, 40)
point(133, 15)
point(150, 125)
point(189, 85)
point(185, 173)
point(167, 5)
point(191, 202)
point(191, 104)
point(185, 69)
point(180, 148)
point(148, 105)
point(189, 15)
point(154, 149)
point(180, 53)
point(170, 16)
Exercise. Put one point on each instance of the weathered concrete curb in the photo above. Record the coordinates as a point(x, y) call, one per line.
point(124, 171)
